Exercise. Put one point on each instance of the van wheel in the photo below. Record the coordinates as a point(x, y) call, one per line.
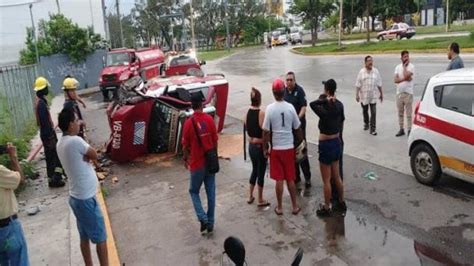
point(425, 164)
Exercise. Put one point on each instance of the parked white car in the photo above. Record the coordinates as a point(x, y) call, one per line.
point(442, 137)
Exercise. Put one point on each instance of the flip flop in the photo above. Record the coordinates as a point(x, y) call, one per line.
point(297, 211)
point(277, 212)
point(250, 201)
point(263, 204)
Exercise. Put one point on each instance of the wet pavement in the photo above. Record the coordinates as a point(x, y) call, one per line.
point(392, 220)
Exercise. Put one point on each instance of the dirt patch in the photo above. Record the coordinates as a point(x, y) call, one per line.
point(230, 145)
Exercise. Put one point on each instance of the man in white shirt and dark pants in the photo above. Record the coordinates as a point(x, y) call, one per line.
point(404, 74)
point(280, 121)
point(75, 156)
point(367, 83)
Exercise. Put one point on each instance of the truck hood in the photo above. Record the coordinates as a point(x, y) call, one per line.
point(113, 70)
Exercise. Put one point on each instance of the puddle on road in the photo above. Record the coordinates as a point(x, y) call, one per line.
point(357, 241)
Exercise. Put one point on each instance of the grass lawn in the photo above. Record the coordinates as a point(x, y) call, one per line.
point(213, 55)
point(427, 45)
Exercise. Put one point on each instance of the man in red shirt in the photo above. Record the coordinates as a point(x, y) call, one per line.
point(200, 125)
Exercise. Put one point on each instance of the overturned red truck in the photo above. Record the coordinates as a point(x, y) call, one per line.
point(148, 118)
point(122, 64)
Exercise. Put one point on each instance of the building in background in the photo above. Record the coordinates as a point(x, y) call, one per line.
point(15, 17)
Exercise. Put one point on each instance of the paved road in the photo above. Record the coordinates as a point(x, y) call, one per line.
point(258, 67)
point(391, 221)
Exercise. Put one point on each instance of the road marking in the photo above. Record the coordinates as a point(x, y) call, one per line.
point(111, 247)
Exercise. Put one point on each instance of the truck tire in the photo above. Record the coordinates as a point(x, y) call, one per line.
point(425, 164)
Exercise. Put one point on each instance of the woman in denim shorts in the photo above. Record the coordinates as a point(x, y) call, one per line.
point(331, 118)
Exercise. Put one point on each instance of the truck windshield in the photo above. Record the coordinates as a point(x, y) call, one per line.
point(118, 59)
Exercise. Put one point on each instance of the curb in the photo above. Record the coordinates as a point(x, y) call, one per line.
point(111, 246)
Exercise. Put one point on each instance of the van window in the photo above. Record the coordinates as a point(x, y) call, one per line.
point(458, 98)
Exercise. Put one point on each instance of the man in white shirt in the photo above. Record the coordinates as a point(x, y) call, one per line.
point(367, 83)
point(280, 121)
point(404, 74)
point(75, 155)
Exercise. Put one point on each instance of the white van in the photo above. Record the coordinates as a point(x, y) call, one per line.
point(442, 137)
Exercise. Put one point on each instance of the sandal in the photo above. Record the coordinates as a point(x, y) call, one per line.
point(297, 211)
point(323, 212)
point(263, 204)
point(277, 212)
point(251, 200)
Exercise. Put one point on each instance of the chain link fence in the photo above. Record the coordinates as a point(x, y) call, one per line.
point(16, 99)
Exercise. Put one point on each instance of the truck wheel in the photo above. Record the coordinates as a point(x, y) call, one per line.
point(425, 164)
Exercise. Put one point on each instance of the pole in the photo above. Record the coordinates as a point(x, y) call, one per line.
point(92, 14)
point(59, 7)
point(340, 23)
point(368, 20)
point(227, 39)
point(352, 13)
point(447, 15)
point(34, 35)
point(120, 22)
point(192, 26)
point(106, 27)
point(185, 36)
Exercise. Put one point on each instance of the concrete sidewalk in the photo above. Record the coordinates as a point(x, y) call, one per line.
point(52, 236)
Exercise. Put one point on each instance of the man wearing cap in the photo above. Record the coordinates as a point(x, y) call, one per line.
point(47, 134)
point(200, 125)
point(70, 85)
point(278, 125)
point(13, 249)
point(295, 95)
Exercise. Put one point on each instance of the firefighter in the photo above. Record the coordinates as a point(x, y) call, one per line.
point(70, 85)
point(47, 134)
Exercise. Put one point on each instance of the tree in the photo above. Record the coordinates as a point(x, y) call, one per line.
point(60, 36)
point(129, 34)
point(312, 11)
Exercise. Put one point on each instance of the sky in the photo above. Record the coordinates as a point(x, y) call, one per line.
point(15, 17)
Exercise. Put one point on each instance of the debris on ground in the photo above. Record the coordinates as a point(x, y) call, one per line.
point(33, 210)
point(101, 175)
point(371, 175)
point(115, 180)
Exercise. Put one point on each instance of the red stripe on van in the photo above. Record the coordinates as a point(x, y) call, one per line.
point(446, 128)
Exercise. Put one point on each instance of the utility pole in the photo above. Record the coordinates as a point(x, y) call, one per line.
point(34, 35)
point(227, 26)
point(59, 7)
point(120, 22)
point(193, 46)
point(106, 26)
point(352, 13)
point(368, 20)
point(340, 22)
point(92, 14)
point(447, 15)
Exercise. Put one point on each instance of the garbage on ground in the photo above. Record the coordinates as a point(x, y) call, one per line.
point(371, 175)
point(33, 210)
point(101, 175)
point(115, 180)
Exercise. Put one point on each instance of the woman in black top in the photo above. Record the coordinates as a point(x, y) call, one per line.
point(331, 119)
point(253, 125)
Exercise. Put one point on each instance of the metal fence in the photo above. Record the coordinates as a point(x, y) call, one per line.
point(16, 98)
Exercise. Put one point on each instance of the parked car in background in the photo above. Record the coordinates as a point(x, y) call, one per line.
point(397, 31)
point(296, 36)
point(442, 136)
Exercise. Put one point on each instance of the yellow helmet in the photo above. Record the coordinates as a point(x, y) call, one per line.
point(41, 83)
point(70, 84)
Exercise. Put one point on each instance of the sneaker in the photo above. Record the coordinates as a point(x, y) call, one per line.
point(401, 132)
point(339, 207)
point(210, 229)
point(307, 184)
point(56, 183)
point(373, 132)
point(204, 227)
point(366, 126)
point(323, 212)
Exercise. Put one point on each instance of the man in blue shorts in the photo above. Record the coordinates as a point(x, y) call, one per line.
point(75, 155)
